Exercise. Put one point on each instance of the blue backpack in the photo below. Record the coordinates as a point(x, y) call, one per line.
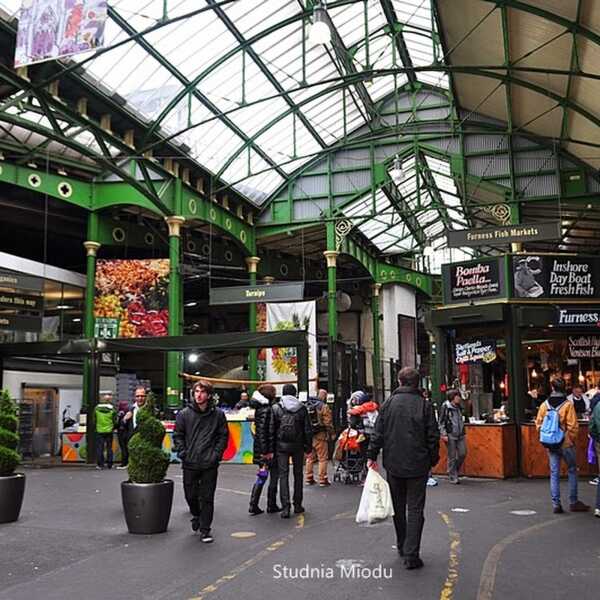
point(551, 434)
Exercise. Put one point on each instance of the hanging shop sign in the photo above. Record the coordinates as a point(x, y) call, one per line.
point(584, 346)
point(577, 317)
point(508, 234)
point(50, 29)
point(476, 351)
point(12, 323)
point(556, 276)
point(475, 280)
point(106, 328)
point(12, 280)
point(239, 294)
point(20, 301)
point(134, 292)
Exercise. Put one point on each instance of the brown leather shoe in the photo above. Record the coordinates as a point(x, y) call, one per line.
point(579, 506)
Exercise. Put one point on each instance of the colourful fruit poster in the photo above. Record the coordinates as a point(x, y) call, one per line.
point(135, 294)
point(282, 363)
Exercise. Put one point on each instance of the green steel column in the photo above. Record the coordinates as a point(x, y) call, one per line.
point(332, 321)
point(376, 288)
point(174, 359)
point(91, 246)
point(252, 263)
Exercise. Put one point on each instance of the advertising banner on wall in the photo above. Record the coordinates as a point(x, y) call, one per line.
point(282, 363)
point(475, 351)
point(567, 316)
point(556, 277)
point(475, 280)
point(133, 294)
point(51, 29)
point(584, 346)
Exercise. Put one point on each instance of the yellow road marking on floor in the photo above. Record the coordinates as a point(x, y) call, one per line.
point(487, 581)
point(243, 534)
point(453, 560)
point(233, 491)
point(248, 563)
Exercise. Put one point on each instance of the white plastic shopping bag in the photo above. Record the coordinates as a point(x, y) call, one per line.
point(376, 500)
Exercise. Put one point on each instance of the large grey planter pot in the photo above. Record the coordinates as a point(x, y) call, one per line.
point(147, 506)
point(12, 488)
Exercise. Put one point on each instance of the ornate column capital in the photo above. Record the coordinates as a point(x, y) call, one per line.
point(91, 248)
point(252, 263)
point(375, 289)
point(268, 280)
point(175, 222)
point(331, 257)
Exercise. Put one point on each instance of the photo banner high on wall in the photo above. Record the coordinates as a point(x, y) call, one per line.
point(282, 363)
point(131, 298)
point(51, 29)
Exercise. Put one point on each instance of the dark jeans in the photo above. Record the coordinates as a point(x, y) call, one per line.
point(199, 488)
point(273, 481)
point(104, 439)
point(408, 497)
point(123, 444)
point(283, 462)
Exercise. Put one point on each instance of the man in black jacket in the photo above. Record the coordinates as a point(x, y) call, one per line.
point(292, 434)
point(407, 431)
point(200, 440)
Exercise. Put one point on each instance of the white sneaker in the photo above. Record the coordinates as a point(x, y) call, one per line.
point(597, 513)
point(122, 467)
point(432, 482)
point(595, 481)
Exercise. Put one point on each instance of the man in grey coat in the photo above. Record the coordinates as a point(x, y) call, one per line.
point(452, 431)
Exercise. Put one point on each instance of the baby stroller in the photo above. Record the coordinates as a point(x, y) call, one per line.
point(351, 463)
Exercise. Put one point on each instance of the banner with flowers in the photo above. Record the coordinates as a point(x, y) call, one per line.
point(132, 297)
point(282, 363)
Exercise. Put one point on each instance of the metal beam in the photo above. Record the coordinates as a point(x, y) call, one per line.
point(400, 43)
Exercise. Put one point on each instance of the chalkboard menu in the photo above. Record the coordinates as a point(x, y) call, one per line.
point(474, 280)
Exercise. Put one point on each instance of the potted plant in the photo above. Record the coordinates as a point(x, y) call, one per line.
point(12, 485)
point(147, 496)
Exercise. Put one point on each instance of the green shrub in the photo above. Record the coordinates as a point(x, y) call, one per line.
point(148, 463)
point(9, 439)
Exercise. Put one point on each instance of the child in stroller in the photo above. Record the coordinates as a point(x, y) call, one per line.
point(350, 459)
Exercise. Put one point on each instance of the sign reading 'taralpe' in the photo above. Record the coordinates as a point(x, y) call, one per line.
point(507, 234)
point(475, 280)
point(239, 294)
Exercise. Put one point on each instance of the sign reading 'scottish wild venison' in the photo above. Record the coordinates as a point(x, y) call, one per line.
point(475, 280)
point(584, 346)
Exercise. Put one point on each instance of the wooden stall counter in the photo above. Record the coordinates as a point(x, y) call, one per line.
point(534, 457)
point(491, 451)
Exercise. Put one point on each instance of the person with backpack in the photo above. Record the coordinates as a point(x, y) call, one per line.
point(292, 434)
point(557, 425)
point(595, 435)
point(261, 401)
point(452, 431)
point(322, 428)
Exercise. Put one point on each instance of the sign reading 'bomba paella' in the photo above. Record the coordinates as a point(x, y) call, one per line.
point(482, 279)
point(475, 351)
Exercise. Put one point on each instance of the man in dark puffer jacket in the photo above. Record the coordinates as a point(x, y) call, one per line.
point(261, 402)
point(407, 431)
point(200, 440)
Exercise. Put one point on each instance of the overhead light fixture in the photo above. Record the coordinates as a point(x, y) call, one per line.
point(32, 165)
point(193, 357)
point(1, 156)
point(534, 373)
point(63, 307)
point(77, 320)
point(190, 304)
point(62, 172)
point(396, 172)
point(581, 377)
point(319, 31)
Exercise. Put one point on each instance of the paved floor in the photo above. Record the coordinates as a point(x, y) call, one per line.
point(71, 541)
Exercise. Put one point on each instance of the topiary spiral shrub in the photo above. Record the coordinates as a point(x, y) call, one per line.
point(9, 439)
point(148, 463)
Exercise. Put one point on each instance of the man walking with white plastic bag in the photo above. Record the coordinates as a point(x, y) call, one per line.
point(407, 432)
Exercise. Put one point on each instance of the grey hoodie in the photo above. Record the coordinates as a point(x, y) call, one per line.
point(291, 405)
point(453, 415)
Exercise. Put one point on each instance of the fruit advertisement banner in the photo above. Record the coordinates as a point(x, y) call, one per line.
point(134, 295)
point(282, 363)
